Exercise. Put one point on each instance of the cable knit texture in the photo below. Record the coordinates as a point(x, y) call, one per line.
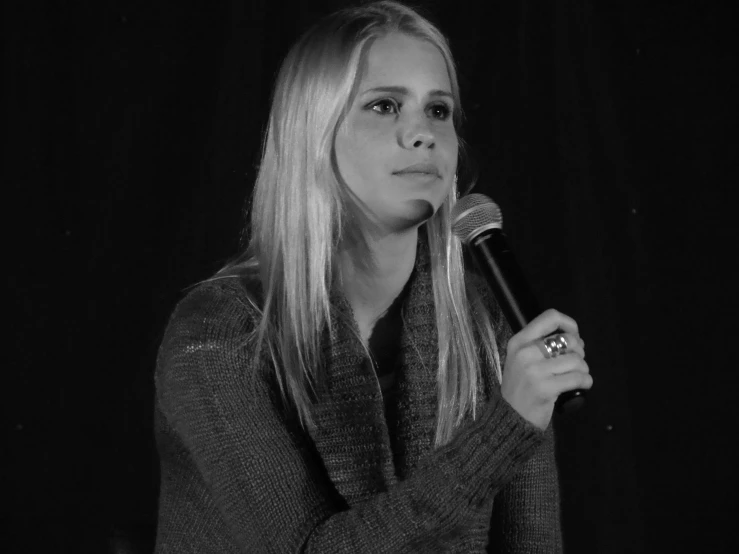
point(238, 474)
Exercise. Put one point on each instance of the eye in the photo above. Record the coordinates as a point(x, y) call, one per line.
point(385, 107)
point(440, 111)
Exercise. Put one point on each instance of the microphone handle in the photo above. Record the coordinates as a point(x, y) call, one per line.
point(495, 260)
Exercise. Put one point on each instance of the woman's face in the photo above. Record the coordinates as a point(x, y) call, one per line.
point(397, 148)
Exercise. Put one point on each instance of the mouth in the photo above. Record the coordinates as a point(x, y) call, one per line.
point(422, 169)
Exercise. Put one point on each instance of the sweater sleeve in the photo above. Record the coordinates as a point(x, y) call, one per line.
point(526, 512)
point(268, 483)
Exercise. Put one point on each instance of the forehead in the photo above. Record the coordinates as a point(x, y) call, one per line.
point(405, 61)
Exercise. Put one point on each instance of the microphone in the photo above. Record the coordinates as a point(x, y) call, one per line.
point(478, 223)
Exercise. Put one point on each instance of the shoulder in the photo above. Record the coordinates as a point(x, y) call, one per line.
point(209, 378)
point(217, 304)
point(210, 325)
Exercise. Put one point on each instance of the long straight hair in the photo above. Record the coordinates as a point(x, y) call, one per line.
point(301, 212)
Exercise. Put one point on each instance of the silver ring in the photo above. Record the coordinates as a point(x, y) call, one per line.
point(553, 346)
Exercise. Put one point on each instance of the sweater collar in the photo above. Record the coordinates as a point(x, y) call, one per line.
point(351, 432)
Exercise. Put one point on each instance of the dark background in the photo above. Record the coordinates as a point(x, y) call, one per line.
point(605, 130)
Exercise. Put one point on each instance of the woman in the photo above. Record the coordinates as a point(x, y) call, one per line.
point(338, 387)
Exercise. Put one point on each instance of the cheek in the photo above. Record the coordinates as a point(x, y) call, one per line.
point(347, 155)
point(360, 151)
point(449, 150)
point(355, 165)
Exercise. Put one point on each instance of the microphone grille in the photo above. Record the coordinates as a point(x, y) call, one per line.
point(474, 213)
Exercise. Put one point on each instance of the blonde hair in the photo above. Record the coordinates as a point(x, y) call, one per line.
point(300, 213)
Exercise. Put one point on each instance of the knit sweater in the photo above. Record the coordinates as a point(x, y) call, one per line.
point(238, 474)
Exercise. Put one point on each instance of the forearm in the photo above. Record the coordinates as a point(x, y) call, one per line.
point(526, 513)
point(438, 499)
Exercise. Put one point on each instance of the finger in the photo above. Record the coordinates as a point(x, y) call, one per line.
point(557, 384)
point(570, 341)
point(566, 364)
point(545, 370)
point(535, 350)
point(545, 324)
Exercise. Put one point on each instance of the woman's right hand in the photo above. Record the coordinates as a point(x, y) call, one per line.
point(531, 382)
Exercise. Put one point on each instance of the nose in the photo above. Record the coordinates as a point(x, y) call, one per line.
point(417, 134)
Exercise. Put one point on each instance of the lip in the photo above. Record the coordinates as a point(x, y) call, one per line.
point(425, 168)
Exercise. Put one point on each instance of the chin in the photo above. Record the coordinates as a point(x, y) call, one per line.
point(414, 213)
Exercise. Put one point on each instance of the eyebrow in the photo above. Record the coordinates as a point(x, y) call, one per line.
point(406, 92)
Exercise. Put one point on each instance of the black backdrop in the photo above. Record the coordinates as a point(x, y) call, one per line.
point(605, 130)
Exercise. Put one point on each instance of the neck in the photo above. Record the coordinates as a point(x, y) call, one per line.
point(371, 288)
